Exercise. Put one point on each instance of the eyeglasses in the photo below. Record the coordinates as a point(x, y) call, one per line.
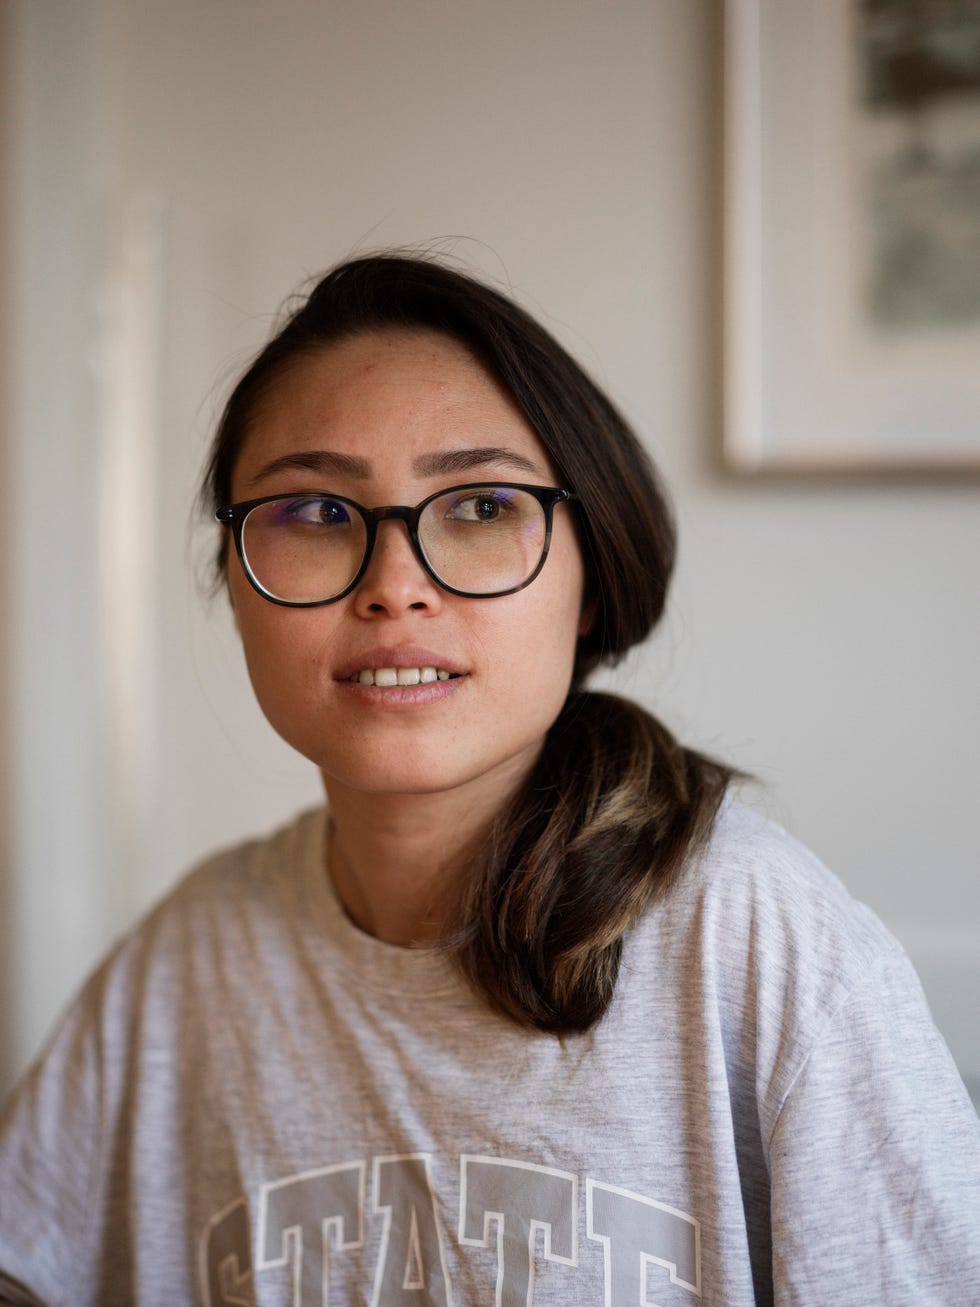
point(480, 540)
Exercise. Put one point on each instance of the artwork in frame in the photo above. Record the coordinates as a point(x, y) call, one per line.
point(852, 236)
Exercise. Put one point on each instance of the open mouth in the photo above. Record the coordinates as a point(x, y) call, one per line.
point(386, 677)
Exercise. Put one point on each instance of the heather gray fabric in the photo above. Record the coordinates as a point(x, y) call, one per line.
point(253, 1102)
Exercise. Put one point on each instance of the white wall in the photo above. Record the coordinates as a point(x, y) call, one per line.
point(7, 969)
point(824, 636)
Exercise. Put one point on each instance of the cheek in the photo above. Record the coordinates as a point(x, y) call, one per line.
point(280, 654)
point(544, 629)
point(568, 614)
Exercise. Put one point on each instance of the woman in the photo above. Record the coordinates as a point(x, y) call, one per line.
point(537, 1014)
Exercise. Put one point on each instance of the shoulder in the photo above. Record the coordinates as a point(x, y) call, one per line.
point(256, 867)
point(755, 885)
point(258, 880)
point(141, 1031)
point(829, 1047)
point(211, 931)
point(229, 916)
point(195, 954)
point(766, 949)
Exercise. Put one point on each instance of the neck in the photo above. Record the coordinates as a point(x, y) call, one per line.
point(395, 859)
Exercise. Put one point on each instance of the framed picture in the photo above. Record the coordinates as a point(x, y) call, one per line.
point(852, 236)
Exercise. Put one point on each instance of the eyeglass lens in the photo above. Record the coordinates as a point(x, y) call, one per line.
point(309, 548)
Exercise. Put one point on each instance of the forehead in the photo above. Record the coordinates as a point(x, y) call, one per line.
point(417, 389)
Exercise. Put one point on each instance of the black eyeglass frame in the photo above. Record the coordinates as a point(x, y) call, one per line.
point(234, 515)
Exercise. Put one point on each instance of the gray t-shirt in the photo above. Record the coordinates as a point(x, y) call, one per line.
point(253, 1102)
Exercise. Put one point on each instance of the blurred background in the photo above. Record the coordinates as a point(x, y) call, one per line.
point(170, 172)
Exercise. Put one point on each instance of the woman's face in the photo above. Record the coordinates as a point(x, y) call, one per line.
point(389, 418)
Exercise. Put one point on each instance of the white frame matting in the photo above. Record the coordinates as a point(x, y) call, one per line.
point(812, 384)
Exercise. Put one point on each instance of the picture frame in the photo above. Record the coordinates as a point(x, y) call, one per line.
point(851, 240)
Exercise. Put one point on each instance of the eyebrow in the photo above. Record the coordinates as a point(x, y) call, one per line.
point(316, 460)
point(462, 460)
point(427, 465)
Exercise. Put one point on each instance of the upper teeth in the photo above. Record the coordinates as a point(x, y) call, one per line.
point(386, 676)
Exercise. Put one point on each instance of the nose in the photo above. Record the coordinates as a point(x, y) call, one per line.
point(395, 582)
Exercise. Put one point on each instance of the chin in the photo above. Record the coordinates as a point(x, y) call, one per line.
point(401, 773)
point(396, 780)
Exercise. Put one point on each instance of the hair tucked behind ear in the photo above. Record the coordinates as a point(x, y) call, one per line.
point(615, 806)
point(603, 825)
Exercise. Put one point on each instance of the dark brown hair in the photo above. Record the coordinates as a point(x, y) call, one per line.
point(614, 806)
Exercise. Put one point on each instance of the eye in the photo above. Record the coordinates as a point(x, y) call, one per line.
point(480, 506)
point(312, 511)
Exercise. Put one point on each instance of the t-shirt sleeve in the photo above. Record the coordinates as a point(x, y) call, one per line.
point(875, 1159)
point(50, 1176)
